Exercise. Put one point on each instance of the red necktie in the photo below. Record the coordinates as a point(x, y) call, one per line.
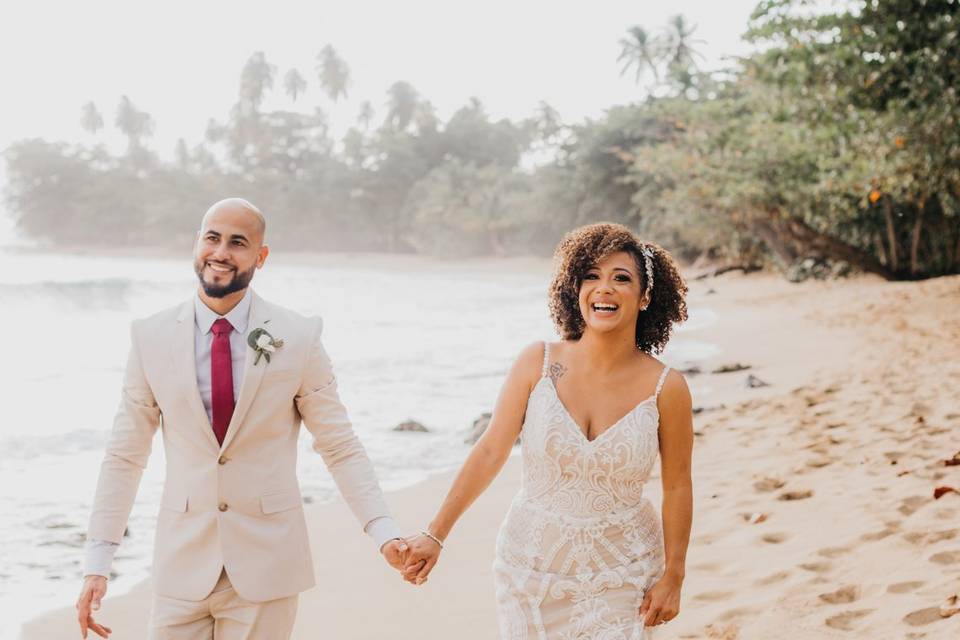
point(221, 376)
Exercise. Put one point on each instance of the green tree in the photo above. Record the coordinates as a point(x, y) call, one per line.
point(641, 52)
point(256, 79)
point(294, 84)
point(91, 120)
point(333, 73)
point(133, 123)
point(402, 101)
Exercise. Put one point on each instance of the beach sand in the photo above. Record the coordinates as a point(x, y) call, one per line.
point(815, 514)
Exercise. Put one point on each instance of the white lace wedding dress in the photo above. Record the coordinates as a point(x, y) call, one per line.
point(580, 544)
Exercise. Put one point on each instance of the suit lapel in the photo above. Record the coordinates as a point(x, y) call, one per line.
point(252, 374)
point(185, 367)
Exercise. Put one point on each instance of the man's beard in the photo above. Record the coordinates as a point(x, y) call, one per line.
point(239, 282)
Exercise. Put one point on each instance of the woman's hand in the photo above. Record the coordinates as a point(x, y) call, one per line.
point(661, 602)
point(422, 556)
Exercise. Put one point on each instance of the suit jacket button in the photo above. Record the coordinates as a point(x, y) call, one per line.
point(223, 506)
point(222, 460)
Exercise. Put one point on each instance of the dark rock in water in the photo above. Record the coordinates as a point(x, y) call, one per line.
point(411, 425)
point(479, 426)
point(731, 368)
point(126, 532)
point(710, 291)
point(691, 371)
point(753, 382)
point(307, 499)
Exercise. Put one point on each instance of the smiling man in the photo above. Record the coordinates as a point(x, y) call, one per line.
point(231, 550)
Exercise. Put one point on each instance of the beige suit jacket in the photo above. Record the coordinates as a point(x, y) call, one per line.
point(235, 506)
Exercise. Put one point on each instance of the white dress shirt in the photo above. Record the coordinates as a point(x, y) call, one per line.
point(99, 553)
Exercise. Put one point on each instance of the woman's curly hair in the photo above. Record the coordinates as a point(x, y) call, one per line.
point(581, 249)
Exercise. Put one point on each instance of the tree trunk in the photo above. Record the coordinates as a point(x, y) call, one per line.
point(780, 248)
point(915, 239)
point(832, 247)
point(891, 233)
point(881, 250)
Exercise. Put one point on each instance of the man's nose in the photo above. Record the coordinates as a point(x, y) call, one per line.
point(220, 252)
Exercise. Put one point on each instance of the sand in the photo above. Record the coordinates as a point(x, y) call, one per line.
point(815, 514)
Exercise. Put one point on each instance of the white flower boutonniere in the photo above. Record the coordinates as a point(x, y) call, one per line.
point(263, 343)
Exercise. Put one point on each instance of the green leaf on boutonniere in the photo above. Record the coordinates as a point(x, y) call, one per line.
point(263, 344)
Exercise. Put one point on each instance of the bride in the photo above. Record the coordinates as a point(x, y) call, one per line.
point(582, 553)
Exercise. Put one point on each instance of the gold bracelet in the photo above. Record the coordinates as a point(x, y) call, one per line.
point(432, 537)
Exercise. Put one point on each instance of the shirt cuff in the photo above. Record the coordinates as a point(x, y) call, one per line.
point(382, 530)
point(99, 558)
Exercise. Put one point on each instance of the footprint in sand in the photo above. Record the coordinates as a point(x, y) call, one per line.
point(833, 552)
point(774, 538)
point(878, 535)
point(773, 578)
point(816, 567)
point(725, 632)
point(739, 612)
point(932, 537)
point(923, 616)
point(713, 596)
point(946, 557)
point(768, 484)
point(843, 595)
point(845, 621)
point(796, 495)
point(904, 587)
point(911, 504)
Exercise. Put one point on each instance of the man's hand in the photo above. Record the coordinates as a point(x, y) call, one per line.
point(94, 588)
point(395, 553)
point(421, 558)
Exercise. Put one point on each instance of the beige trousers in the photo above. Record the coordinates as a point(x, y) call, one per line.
point(222, 615)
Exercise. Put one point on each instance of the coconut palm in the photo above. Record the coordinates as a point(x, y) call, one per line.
point(402, 100)
point(133, 123)
point(365, 115)
point(639, 51)
point(679, 50)
point(91, 120)
point(294, 84)
point(333, 72)
point(255, 80)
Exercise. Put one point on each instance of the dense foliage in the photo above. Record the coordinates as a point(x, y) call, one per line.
point(836, 143)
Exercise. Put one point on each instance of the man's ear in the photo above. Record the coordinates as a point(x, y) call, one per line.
point(262, 256)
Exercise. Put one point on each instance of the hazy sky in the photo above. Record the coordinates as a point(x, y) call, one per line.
point(181, 61)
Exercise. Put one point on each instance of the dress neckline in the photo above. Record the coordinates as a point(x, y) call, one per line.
point(575, 425)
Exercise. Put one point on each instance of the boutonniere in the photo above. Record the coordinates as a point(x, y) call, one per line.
point(263, 343)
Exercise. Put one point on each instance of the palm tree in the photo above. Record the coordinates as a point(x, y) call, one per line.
point(133, 123)
point(255, 80)
point(91, 120)
point(294, 84)
point(366, 115)
point(640, 51)
point(681, 55)
point(333, 72)
point(548, 121)
point(402, 100)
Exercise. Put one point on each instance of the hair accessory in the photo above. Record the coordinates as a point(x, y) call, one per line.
point(648, 267)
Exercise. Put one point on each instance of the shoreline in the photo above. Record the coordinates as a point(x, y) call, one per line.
point(858, 373)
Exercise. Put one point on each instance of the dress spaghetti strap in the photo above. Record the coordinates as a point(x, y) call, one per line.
point(546, 360)
point(663, 377)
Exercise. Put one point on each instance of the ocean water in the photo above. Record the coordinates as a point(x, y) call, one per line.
point(410, 338)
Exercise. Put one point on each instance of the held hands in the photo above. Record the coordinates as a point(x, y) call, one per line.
point(424, 551)
point(94, 588)
point(395, 552)
point(661, 603)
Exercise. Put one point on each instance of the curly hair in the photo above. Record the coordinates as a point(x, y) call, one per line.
point(581, 249)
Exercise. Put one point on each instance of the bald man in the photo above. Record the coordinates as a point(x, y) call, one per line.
point(230, 378)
